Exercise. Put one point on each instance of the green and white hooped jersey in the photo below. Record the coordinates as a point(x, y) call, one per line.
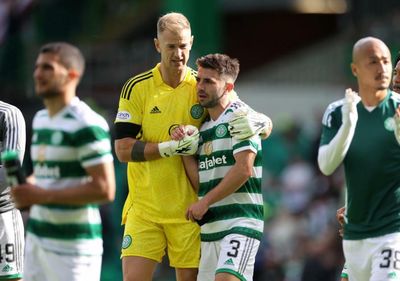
point(62, 147)
point(242, 211)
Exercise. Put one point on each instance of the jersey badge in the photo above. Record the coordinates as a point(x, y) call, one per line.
point(221, 131)
point(389, 124)
point(196, 111)
point(126, 242)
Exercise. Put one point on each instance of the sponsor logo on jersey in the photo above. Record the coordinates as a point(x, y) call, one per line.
point(208, 148)
point(126, 242)
point(196, 111)
point(155, 110)
point(123, 115)
point(209, 163)
point(392, 275)
point(41, 153)
point(43, 171)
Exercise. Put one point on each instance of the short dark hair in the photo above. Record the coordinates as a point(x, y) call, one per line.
point(397, 59)
point(222, 63)
point(69, 55)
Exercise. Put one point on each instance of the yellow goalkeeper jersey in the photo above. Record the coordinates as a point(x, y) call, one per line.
point(159, 190)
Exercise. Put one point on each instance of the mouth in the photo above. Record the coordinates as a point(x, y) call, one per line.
point(396, 88)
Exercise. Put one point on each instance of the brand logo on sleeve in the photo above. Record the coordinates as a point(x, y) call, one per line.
point(123, 115)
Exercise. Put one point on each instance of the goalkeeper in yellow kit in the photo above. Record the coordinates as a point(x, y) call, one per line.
point(151, 104)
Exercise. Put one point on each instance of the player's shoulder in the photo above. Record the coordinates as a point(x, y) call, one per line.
point(237, 106)
point(136, 81)
point(7, 108)
point(333, 106)
point(395, 96)
point(84, 115)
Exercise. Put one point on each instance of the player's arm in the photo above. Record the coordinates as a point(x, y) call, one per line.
point(331, 155)
point(192, 171)
point(99, 188)
point(130, 149)
point(233, 180)
point(14, 136)
point(397, 124)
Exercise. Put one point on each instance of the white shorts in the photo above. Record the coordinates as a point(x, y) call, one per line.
point(11, 245)
point(43, 265)
point(373, 259)
point(234, 254)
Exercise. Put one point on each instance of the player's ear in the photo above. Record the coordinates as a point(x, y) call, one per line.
point(353, 69)
point(157, 44)
point(73, 74)
point(191, 42)
point(230, 86)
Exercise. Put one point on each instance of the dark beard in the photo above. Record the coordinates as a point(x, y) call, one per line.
point(48, 94)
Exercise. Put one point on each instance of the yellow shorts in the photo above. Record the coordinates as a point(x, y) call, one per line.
point(147, 239)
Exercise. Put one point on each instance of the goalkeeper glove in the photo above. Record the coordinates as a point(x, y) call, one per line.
point(349, 108)
point(186, 146)
point(247, 124)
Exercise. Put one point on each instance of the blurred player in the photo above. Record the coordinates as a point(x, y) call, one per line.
point(12, 137)
point(73, 171)
point(151, 105)
point(362, 132)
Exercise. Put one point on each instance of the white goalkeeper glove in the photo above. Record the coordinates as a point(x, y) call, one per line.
point(244, 125)
point(186, 146)
point(349, 108)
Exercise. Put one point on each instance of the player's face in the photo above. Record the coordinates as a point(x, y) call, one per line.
point(373, 67)
point(50, 76)
point(396, 78)
point(211, 88)
point(174, 47)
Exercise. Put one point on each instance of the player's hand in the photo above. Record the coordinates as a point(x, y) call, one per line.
point(340, 219)
point(197, 210)
point(397, 124)
point(244, 125)
point(186, 146)
point(178, 133)
point(349, 108)
point(25, 195)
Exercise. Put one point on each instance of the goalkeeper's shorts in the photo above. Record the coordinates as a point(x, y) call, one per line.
point(150, 240)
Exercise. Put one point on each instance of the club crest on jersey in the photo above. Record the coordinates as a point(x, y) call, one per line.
point(196, 111)
point(56, 137)
point(221, 131)
point(389, 124)
point(126, 242)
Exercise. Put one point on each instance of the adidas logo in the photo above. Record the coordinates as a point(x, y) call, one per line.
point(7, 268)
point(229, 262)
point(155, 110)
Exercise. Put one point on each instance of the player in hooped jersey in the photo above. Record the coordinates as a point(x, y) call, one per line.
point(227, 173)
